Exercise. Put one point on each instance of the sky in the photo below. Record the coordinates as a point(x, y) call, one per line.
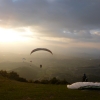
point(63, 26)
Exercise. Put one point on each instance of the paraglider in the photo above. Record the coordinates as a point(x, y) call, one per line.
point(24, 59)
point(40, 66)
point(30, 63)
point(37, 49)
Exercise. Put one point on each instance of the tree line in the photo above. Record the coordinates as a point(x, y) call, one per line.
point(14, 76)
point(53, 80)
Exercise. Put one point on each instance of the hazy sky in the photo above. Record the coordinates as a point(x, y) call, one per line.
point(60, 25)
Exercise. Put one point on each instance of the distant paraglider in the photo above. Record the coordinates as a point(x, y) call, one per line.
point(37, 49)
point(40, 66)
point(23, 59)
point(30, 61)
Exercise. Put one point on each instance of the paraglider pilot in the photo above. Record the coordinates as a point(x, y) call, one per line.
point(40, 66)
point(84, 78)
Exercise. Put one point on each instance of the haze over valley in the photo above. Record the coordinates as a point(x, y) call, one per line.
point(70, 29)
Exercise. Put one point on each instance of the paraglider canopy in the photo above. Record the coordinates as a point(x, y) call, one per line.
point(23, 59)
point(37, 49)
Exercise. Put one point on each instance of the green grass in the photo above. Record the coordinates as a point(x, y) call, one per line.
point(13, 90)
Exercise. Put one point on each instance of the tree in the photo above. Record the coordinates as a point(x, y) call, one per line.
point(13, 75)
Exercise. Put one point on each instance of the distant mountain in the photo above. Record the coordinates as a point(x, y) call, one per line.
point(27, 72)
point(11, 65)
point(70, 69)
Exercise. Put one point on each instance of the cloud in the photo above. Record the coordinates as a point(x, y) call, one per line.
point(53, 18)
point(14, 0)
point(61, 13)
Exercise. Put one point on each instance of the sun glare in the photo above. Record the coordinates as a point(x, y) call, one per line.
point(10, 35)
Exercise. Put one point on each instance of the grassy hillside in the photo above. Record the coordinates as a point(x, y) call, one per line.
point(13, 90)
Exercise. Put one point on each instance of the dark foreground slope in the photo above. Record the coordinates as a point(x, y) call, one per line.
point(13, 90)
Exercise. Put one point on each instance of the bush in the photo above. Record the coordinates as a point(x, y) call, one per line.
point(22, 79)
point(30, 81)
point(4, 73)
point(36, 81)
point(44, 81)
point(54, 80)
point(12, 75)
point(64, 82)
